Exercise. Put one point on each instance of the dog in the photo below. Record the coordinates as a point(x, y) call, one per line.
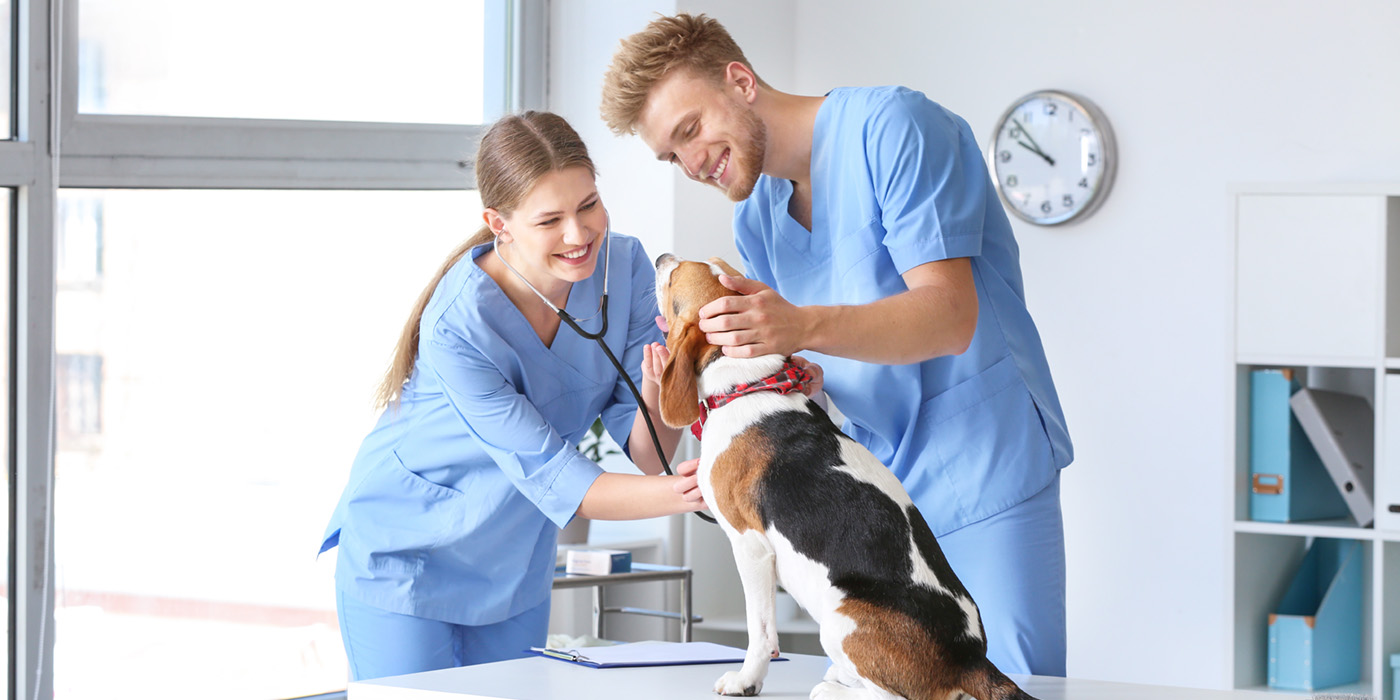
point(806, 506)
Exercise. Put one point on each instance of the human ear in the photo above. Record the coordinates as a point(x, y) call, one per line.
point(740, 78)
point(496, 223)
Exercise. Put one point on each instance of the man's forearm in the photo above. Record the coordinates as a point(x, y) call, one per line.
point(909, 327)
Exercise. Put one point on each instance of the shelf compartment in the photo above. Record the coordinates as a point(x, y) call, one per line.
point(1359, 381)
point(1264, 566)
point(1297, 264)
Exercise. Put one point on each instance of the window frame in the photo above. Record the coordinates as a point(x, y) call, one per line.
point(55, 147)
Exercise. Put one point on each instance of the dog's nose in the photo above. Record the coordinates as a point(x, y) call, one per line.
point(663, 259)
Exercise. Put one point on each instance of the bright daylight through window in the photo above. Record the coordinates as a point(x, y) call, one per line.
point(217, 345)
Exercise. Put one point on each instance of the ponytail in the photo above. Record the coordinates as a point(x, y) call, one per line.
point(406, 352)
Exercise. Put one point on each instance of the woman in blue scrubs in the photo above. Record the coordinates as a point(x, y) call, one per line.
point(876, 242)
point(448, 525)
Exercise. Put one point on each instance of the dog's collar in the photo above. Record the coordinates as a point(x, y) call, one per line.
point(788, 379)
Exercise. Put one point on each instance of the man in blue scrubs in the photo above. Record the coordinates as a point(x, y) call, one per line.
point(876, 244)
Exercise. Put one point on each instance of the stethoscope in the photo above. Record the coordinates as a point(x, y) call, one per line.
point(597, 336)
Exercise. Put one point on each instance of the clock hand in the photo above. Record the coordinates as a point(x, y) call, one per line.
point(1027, 132)
point(1035, 147)
point(1038, 152)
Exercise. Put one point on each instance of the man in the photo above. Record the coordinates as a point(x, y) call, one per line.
point(876, 244)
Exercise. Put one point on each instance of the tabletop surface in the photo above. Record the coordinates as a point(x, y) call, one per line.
point(539, 678)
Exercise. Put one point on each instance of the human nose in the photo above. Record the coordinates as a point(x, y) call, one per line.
point(576, 232)
point(691, 162)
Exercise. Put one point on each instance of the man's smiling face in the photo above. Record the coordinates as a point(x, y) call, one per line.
point(707, 130)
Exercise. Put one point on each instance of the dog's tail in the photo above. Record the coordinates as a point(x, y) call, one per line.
point(989, 683)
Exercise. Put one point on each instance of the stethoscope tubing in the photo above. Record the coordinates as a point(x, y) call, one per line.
point(597, 337)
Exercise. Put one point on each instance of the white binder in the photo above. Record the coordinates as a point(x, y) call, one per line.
point(1341, 428)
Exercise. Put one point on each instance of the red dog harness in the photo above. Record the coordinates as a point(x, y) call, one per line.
point(789, 379)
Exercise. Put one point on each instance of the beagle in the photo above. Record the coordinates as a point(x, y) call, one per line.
point(804, 505)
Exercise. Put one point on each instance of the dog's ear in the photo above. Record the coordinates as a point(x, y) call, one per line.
point(680, 398)
point(728, 269)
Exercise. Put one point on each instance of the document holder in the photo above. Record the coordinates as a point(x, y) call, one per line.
point(1315, 636)
point(1287, 479)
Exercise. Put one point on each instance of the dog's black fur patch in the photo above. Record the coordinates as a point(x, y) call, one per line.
point(856, 531)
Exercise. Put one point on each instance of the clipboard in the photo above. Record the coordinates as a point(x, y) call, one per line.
point(647, 654)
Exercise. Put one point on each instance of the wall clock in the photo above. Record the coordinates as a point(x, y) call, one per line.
point(1053, 157)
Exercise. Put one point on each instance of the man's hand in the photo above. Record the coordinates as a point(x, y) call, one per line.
point(758, 323)
point(813, 387)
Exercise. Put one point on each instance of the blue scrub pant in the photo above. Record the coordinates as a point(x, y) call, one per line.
point(1013, 564)
point(380, 643)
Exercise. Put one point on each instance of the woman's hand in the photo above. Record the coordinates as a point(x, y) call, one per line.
point(688, 485)
point(654, 358)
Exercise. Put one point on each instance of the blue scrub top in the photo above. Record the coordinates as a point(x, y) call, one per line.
point(898, 181)
point(455, 500)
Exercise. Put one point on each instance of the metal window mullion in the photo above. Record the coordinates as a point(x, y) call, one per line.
point(32, 350)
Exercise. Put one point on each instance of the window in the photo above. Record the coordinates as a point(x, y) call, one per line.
point(242, 334)
point(215, 239)
point(78, 381)
point(415, 61)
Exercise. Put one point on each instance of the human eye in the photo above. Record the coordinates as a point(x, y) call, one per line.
point(590, 205)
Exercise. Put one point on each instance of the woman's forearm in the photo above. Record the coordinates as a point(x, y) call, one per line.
point(643, 451)
point(633, 497)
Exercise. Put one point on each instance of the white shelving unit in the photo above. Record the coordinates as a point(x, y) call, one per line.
point(1317, 289)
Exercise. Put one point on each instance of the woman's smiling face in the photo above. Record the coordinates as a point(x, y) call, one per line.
point(556, 233)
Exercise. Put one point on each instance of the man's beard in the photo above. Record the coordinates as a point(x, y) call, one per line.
point(750, 157)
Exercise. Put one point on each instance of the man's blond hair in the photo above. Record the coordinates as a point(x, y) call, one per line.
point(691, 42)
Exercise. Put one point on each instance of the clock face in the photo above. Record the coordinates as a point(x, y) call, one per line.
point(1053, 157)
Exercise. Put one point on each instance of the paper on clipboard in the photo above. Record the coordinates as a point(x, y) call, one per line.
point(647, 654)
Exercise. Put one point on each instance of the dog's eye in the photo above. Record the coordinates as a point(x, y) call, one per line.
point(675, 308)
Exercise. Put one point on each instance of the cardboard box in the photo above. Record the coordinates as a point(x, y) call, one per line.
point(1342, 428)
point(1287, 479)
point(1315, 635)
point(597, 562)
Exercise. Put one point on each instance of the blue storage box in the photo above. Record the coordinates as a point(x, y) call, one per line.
point(1395, 675)
point(1288, 479)
point(1315, 636)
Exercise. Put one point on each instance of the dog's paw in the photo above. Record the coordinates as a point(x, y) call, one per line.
point(736, 683)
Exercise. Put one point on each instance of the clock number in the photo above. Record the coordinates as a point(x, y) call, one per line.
point(1093, 160)
point(1068, 201)
point(1015, 132)
point(1004, 156)
point(1051, 108)
point(1084, 182)
point(1045, 206)
point(1011, 180)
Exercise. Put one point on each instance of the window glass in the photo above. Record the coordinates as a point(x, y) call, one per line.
point(217, 356)
point(417, 61)
point(7, 226)
point(7, 19)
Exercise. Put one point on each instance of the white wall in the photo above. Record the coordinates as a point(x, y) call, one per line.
point(583, 35)
point(1132, 303)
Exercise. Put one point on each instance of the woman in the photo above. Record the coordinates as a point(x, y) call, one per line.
point(448, 525)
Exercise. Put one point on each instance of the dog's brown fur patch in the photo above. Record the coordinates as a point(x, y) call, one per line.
point(894, 652)
point(735, 476)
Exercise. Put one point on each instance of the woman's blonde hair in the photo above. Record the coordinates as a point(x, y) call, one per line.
point(693, 42)
point(515, 153)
